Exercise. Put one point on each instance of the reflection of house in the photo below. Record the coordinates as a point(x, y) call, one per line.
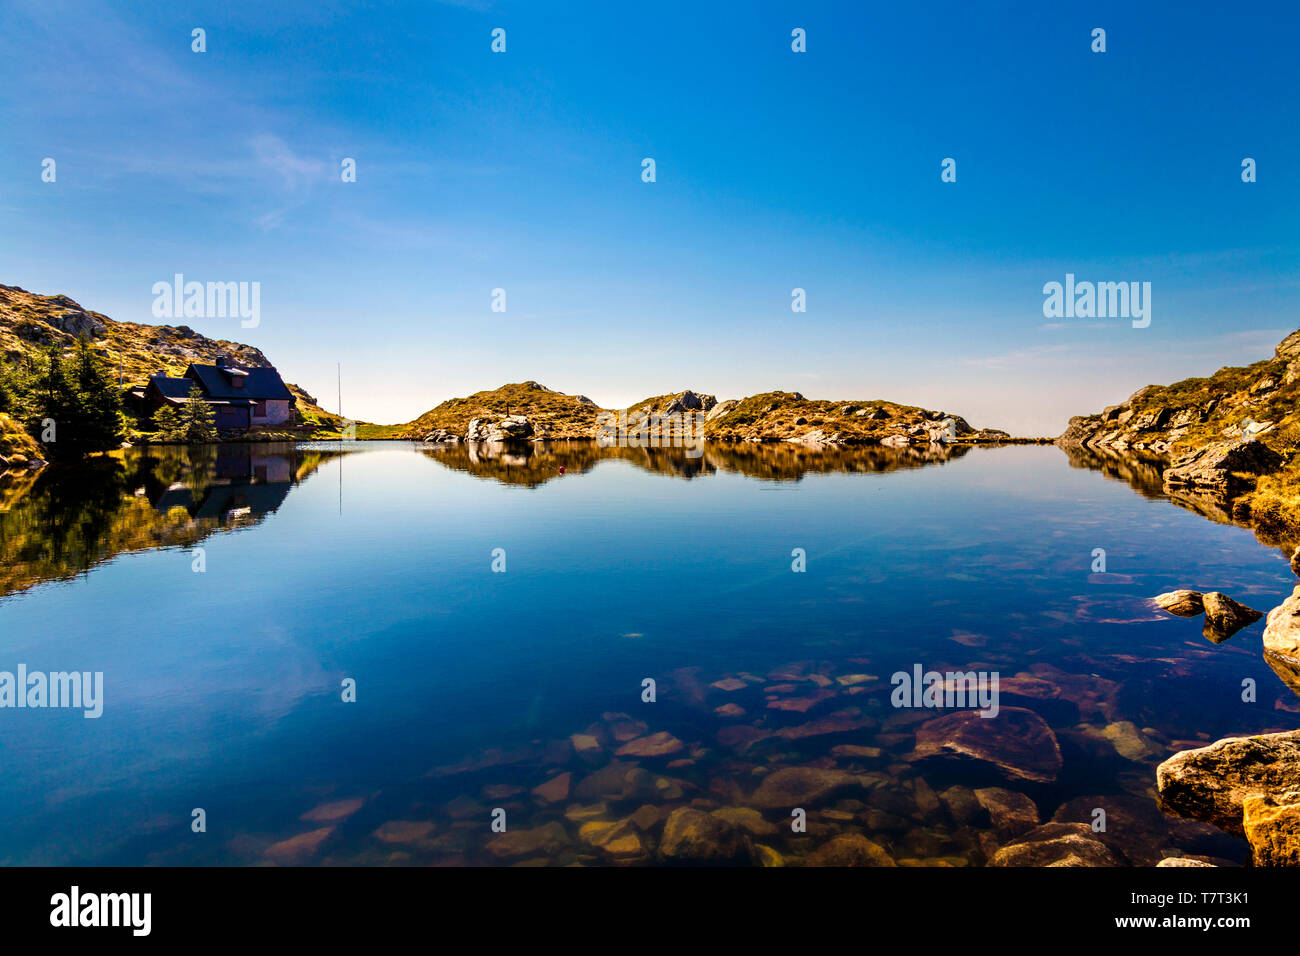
point(242, 482)
point(240, 397)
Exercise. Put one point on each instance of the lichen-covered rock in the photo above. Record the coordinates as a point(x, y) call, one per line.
point(1216, 467)
point(1272, 824)
point(1212, 783)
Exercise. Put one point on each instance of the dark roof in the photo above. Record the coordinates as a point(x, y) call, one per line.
point(260, 384)
point(172, 387)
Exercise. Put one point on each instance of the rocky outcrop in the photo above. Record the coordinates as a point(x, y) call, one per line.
point(1222, 439)
point(509, 428)
point(1212, 783)
point(1217, 468)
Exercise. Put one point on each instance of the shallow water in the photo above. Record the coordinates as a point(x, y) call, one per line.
point(373, 562)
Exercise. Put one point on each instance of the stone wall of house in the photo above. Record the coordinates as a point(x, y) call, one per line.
point(278, 412)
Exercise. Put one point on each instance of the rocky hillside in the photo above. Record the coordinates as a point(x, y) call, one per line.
point(788, 416)
point(525, 410)
point(30, 322)
point(532, 412)
point(1232, 437)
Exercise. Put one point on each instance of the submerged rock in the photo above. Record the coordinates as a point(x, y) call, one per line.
point(1182, 861)
point(404, 831)
point(1057, 844)
point(849, 849)
point(793, 787)
point(555, 789)
point(512, 844)
point(661, 744)
point(692, 836)
point(747, 819)
point(1017, 741)
point(1012, 814)
point(1181, 603)
point(1212, 783)
point(298, 849)
point(333, 812)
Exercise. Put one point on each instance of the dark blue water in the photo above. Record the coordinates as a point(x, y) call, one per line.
point(223, 689)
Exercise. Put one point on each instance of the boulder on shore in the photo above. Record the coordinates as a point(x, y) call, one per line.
point(1272, 824)
point(1212, 783)
point(1282, 632)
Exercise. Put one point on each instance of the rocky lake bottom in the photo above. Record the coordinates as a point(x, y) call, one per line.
point(497, 614)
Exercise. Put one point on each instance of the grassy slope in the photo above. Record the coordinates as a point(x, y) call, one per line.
point(16, 445)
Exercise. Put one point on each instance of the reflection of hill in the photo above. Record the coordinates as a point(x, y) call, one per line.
point(534, 464)
point(1144, 474)
point(1141, 472)
point(73, 517)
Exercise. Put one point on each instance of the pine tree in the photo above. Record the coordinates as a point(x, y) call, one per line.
point(52, 414)
point(197, 419)
point(7, 397)
point(99, 425)
point(167, 423)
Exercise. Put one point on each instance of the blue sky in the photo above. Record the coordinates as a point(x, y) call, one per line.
point(775, 170)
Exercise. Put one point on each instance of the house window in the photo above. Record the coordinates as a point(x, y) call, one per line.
point(259, 410)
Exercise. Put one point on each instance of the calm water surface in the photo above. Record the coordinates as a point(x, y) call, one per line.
point(223, 689)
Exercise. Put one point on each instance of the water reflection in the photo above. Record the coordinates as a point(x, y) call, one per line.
point(1145, 475)
point(534, 464)
point(67, 519)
